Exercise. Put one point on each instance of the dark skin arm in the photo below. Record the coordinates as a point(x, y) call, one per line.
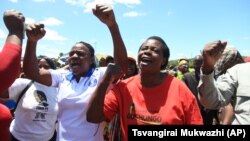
point(211, 54)
point(30, 66)
point(14, 21)
point(9, 56)
point(106, 14)
point(95, 110)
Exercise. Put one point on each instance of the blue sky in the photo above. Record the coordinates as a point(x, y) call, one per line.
point(185, 25)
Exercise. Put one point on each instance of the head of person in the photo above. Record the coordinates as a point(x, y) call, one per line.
point(81, 58)
point(198, 60)
point(132, 68)
point(229, 58)
point(183, 65)
point(102, 62)
point(109, 59)
point(46, 63)
point(153, 55)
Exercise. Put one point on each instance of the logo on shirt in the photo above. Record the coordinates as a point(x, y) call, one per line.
point(92, 82)
point(42, 107)
point(146, 119)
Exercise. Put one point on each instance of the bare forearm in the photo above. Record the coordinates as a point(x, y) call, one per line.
point(30, 65)
point(120, 52)
point(95, 110)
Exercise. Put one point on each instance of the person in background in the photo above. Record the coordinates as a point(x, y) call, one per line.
point(10, 57)
point(183, 67)
point(132, 68)
point(114, 129)
point(76, 86)
point(148, 98)
point(214, 94)
point(228, 59)
point(191, 79)
point(109, 59)
point(102, 62)
point(36, 112)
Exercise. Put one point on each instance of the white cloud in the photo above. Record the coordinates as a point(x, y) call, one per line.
point(128, 2)
point(13, 1)
point(2, 34)
point(44, 0)
point(50, 21)
point(29, 20)
point(49, 51)
point(88, 5)
point(53, 36)
point(133, 14)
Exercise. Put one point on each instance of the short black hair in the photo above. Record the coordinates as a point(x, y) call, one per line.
point(166, 52)
point(48, 60)
point(91, 50)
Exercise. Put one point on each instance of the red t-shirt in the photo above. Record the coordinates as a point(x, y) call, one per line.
point(10, 58)
point(5, 120)
point(170, 103)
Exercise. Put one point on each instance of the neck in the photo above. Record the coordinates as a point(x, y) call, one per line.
point(151, 80)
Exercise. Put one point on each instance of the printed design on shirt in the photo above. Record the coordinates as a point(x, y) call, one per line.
point(42, 107)
point(146, 119)
point(92, 82)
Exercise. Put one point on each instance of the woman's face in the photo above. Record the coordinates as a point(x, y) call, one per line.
point(131, 71)
point(80, 59)
point(43, 64)
point(150, 56)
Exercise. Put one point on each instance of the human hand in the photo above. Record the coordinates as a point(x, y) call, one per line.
point(112, 73)
point(35, 32)
point(105, 14)
point(14, 21)
point(211, 54)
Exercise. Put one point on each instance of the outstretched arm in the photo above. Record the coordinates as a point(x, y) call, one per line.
point(10, 55)
point(105, 14)
point(30, 66)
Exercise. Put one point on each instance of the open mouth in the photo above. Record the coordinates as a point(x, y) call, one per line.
point(145, 61)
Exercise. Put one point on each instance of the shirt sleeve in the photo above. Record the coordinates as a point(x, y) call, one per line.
point(214, 94)
point(17, 87)
point(10, 58)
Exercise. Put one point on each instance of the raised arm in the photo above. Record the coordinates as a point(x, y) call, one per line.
point(106, 15)
point(95, 110)
point(209, 94)
point(10, 55)
point(30, 65)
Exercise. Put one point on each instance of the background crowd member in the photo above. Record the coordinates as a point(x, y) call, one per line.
point(147, 98)
point(36, 112)
point(191, 79)
point(102, 62)
point(183, 67)
point(228, 59)
point(76, 86)
point(10, 57)
point(109, 59)
point(233, 83)
point(114, 129)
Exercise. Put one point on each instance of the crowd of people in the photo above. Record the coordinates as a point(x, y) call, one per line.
point(89, 101)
